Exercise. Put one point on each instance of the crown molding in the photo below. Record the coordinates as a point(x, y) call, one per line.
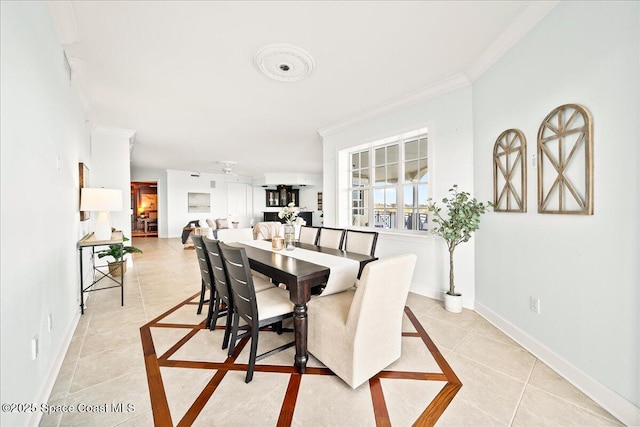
point(64, 21)
point(518, 28)
point(448, 85)
point(514, 32)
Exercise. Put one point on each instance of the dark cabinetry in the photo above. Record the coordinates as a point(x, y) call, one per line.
point(273, 216)
point(282, 196)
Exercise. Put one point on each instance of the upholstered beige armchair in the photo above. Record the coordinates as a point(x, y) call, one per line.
point(358, 333)
point(267, 230)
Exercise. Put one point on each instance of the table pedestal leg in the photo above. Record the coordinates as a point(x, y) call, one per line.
point(300, 328)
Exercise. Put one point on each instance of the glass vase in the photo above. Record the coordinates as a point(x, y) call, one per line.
point(289, 237)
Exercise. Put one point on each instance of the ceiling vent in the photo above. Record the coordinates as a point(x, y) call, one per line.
point(284, 62)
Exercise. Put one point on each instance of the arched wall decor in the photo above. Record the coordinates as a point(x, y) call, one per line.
point(509, 164)
point(565, 161)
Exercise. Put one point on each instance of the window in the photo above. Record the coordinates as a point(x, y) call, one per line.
point(389, 184)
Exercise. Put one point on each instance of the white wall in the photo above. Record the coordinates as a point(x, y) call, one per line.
point(110, 168)
point(449, 121)
point(583, 268)
point(43, 136)
point(180, 183)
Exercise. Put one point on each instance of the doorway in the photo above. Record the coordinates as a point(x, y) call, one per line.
point(144, 218)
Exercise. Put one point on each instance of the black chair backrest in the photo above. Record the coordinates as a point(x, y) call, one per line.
point(331, 237)
point(362, 242)
point(203, 260)
point(220, 280)
point(239, 274)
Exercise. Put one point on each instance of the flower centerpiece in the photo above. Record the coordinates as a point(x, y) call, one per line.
point(289, 213)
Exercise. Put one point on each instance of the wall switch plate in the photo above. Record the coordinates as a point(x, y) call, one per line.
point(34, 348)
point(534, 304)
point(50, 322)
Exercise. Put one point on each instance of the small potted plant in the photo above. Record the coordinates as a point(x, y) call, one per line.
point(117, 252)
point(462, 218)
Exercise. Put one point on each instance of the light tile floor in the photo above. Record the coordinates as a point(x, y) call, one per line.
point(503, 384)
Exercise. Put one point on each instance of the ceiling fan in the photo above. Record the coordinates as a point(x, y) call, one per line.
point(226, 166)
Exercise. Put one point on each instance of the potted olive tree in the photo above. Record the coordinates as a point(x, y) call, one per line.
point(117, 252)
point(462, 218)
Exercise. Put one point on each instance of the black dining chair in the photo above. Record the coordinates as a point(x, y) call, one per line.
point(361, 242)
point(331, 237)
point(221, 284)
point(257, 309)
point(223, 289)
point(207, 282)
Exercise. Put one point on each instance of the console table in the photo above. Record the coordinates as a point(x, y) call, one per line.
point(91, 242)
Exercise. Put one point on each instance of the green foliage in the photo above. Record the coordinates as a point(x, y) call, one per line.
point(117, 251)
point(462, 219)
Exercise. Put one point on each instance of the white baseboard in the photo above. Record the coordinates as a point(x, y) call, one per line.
point(439, 295)
point(617, 405)
point(55, 369)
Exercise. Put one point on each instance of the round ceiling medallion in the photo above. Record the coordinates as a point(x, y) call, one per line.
point(284, 62)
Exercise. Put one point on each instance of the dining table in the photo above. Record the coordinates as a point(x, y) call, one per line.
point(300, 270)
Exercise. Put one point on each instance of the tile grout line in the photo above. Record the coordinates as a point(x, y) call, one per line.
point(491, 368)
point(577, 405)
point(526, 384)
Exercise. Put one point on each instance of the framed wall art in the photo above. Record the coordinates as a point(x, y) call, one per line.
point(510, 172)
point(565, 161)
point(199, 202)
point(83, 171)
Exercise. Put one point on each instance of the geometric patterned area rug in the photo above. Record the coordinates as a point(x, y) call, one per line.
point(192, 381)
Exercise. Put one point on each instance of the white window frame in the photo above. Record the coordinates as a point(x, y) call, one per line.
point(400, 186)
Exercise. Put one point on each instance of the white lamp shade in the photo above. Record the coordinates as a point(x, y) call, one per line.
point(100, 199)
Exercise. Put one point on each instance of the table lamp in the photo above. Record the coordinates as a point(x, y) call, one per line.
point(101, 200)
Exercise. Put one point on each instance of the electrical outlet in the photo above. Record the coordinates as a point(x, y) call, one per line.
point(34, 348)
point(534, 304)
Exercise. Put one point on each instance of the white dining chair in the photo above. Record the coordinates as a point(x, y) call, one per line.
point(309, 235)
point(358, 333)
point(331, 237)
point(361, 242)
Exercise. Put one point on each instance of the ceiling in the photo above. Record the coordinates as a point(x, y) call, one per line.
point(182, 74)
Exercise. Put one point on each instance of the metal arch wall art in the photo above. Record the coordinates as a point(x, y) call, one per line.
point(509, 164)
point(565, 161)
